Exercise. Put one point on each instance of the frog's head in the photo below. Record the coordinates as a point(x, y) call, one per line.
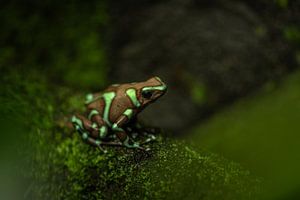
point(151, 90)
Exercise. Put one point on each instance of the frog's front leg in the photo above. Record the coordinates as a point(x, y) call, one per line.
point(84, 127)
point(121, 133)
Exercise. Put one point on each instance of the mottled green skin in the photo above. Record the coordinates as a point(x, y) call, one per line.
point(109, 111)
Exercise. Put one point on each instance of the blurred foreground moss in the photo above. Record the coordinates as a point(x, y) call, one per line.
point(262, 133)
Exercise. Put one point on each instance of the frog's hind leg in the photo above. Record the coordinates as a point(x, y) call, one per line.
point(84, 125)
point(96, 120)
point(87, 132)
point(96, 142)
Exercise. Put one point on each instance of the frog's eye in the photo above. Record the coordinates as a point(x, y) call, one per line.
point(147, 94)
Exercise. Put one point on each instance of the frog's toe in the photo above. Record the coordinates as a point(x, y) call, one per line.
point(77, 123)
point(148, 149)
point(152, 137)
point(149, 139)
point(133, 145)
point(101, 149)
point(136, 145)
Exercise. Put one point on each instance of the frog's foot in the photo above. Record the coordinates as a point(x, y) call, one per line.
point(136, 145)
point(85, 125)
point(128, 142)
point(97, 121)
point(150, 138)
point(96, 142)
point(86, 131)
point(133, 146)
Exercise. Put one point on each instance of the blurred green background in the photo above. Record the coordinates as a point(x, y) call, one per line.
point(234, 98)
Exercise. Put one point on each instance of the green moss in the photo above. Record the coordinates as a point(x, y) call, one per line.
point(170, 171)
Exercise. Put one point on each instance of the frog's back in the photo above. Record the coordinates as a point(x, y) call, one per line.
point(98, 100)
point(112, 102)
point(121, 102)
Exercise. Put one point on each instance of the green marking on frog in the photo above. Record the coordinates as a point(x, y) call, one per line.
point(102, 131)
point(94, 125)
point(128, 112)
point(77, 121)
point(132, 95)
point(116, 128)
point(77, 127)
point(98, 142)
point(108, 97)
point(92, 113)
point(85, 136)
point(159, 87)
point(126, 141)
point(157, 78)
point(88, 98)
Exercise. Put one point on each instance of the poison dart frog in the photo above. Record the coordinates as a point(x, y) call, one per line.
point(111, 111)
